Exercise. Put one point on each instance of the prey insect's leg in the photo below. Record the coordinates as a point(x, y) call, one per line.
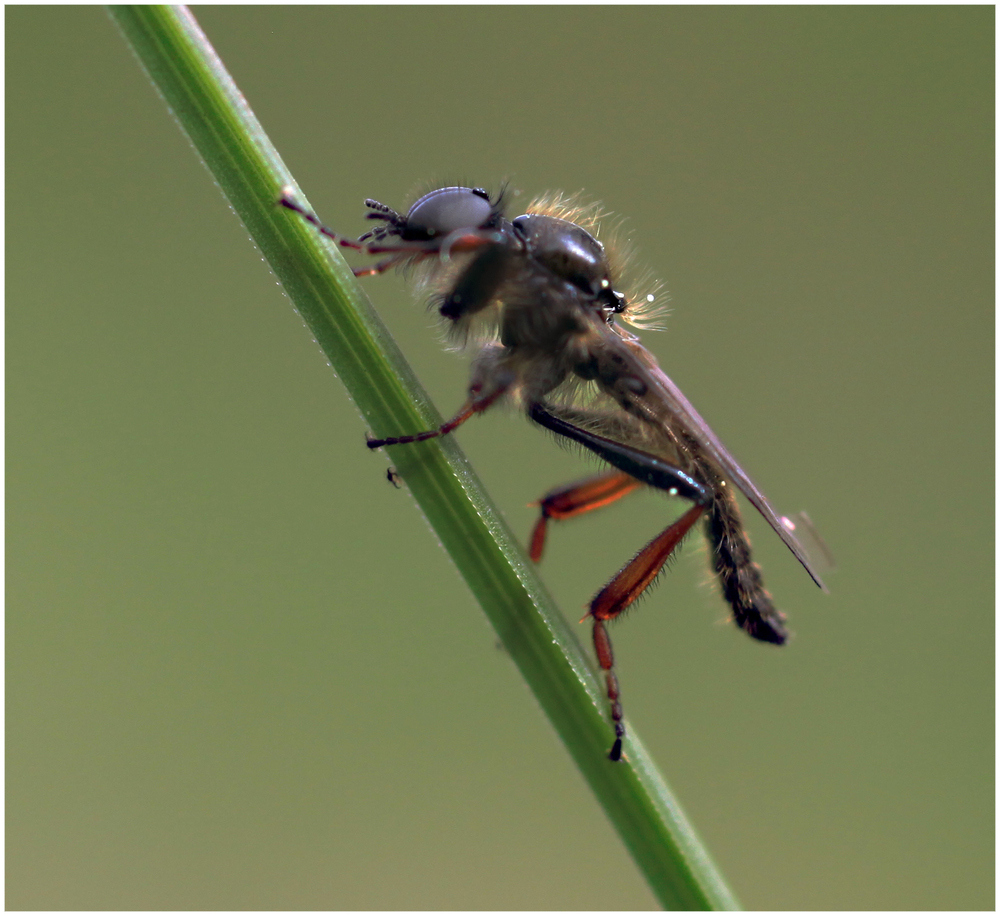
point(575, 499)
point(638, 574)
point(477, 403)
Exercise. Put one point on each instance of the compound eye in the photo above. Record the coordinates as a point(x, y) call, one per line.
point(447, 210)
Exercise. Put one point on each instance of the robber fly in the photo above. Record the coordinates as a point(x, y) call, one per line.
point(539, 298)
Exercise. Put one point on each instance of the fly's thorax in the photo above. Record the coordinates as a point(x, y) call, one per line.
point(542, 315)
point(548, 277)
point(570, 253)
point(564, 248)
point(525, 376)
point(618, 377)
point(559, 290)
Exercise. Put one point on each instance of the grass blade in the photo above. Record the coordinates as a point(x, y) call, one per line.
point(211, 110)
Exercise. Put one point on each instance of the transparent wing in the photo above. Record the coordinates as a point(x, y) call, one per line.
point(665, 396)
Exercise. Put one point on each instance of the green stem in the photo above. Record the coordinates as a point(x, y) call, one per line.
point(203, 97)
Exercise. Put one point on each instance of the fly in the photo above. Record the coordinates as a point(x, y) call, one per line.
point(538, 299)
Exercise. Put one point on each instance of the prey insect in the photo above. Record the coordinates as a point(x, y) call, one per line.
point(539, 301)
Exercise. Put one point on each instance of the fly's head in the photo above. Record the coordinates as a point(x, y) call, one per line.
point(436, 216)
point(535, 281)
point(458, 237)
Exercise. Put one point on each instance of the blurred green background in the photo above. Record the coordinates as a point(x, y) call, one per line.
point(240, 671)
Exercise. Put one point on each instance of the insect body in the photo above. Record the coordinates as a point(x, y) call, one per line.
point(538, 296)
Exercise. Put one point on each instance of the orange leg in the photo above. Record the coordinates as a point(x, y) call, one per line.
point(627, 585)
point(576, 499)
point(638, 574)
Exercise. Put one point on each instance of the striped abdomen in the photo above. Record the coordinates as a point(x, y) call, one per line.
point(742, 585)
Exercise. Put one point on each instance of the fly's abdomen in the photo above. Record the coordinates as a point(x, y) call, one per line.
point(742, 585)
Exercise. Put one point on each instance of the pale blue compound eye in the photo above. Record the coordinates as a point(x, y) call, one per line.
point(448, 210)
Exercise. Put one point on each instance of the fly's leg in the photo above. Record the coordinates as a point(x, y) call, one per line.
point(629, 583)
point(478, 282)
point(475, 286)
point(576, 499)
point(643, 466)
point(289, 203)
point(638, 574)
point(380, 267)
point(394, 222)
point(399, 254)
point(477, 403)
point(740, 577)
